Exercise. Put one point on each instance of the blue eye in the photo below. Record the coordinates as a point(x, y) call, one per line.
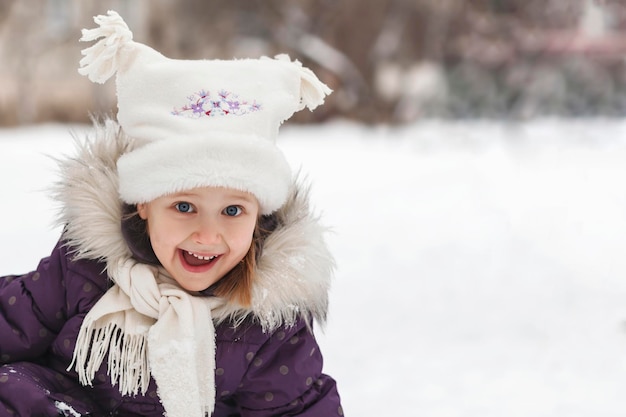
point(184, 207)
point(232, 211)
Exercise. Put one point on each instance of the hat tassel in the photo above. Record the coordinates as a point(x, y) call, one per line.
point(312, 90)
point(100, 60)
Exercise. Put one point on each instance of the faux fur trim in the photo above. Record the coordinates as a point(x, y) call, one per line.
point(293, 272)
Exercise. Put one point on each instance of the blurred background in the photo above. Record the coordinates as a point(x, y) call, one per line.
point(389, 61)
point(470, 164)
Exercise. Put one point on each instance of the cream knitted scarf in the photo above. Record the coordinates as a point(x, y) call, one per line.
point(148, 325)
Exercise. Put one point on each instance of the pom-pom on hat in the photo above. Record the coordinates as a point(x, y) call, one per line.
point(199, 122)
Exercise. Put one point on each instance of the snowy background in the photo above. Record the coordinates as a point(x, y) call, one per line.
point(481, 268)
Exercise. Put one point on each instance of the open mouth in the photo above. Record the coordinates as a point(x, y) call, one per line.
point(194, 259)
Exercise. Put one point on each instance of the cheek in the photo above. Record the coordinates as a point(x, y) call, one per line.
point(162, 234)
point(243, 243)
point(243, 239)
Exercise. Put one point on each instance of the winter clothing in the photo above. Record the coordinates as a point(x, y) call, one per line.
point(214, 121)
point(267, 362)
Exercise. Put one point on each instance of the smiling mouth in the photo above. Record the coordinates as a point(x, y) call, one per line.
point(194, 259)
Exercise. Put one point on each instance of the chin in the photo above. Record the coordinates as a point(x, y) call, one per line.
point(194, 286)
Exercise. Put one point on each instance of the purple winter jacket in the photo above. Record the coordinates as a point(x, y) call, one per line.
point(269, 364)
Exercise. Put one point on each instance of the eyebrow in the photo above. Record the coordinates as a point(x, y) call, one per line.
point(243, 197)
point(183, 195)
point(234, 195)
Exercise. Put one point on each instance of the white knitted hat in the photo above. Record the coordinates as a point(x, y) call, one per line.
point(200, 122)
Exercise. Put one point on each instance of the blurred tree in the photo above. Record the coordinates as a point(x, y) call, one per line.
point(387, 60)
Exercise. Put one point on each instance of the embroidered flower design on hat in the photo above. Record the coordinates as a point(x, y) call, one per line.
point(225, 103)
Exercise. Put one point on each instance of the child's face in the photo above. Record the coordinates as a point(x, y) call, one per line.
point(201, 234)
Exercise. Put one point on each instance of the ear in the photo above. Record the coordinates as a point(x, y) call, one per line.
point(142, 211)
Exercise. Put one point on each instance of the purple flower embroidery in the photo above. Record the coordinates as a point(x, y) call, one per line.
point(197, 107)
point(202, 104)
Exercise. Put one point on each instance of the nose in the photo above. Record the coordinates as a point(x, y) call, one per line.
point(207, 231)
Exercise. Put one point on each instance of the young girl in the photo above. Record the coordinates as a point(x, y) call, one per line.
point(190, 269)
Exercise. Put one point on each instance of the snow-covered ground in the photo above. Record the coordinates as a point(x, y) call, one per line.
point(481, 265)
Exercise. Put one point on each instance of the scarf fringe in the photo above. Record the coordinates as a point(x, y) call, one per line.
point(127, 357)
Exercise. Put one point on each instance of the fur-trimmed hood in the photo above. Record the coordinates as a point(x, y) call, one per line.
point(293, 271)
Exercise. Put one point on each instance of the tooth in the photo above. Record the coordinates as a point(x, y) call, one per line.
point(203, 258)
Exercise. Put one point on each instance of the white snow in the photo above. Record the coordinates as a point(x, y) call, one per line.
point(481, 268)
point(66, 409)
